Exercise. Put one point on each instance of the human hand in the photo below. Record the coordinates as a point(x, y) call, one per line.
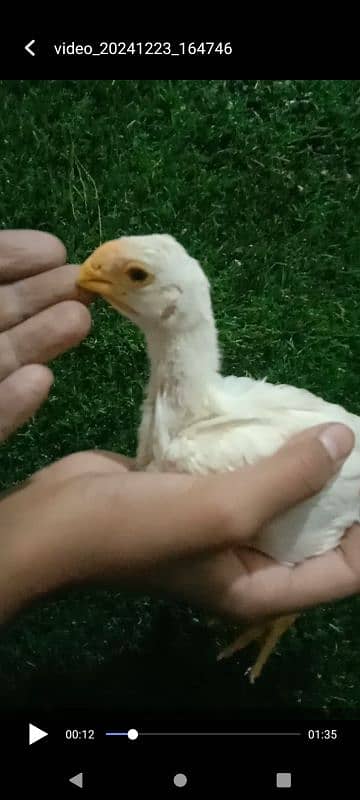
point(86, 518)
point(40, 318)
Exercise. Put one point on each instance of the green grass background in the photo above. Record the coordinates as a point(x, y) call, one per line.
point(260, 180)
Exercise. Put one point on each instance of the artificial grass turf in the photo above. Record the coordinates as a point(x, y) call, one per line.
point(260, 180)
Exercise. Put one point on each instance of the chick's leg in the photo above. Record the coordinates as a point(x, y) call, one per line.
point(267, 634)
point(277, 629)
point(250, 635)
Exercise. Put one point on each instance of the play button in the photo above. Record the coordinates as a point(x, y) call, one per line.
point(78, 780)
point(35, 734)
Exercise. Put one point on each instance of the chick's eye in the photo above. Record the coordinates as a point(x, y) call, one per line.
point(137, 274)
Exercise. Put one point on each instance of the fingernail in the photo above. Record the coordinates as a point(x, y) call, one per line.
point(338, 441)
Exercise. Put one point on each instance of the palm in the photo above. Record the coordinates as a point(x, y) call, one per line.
point(245, 584)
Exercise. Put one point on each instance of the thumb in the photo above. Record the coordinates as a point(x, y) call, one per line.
point(296, 472)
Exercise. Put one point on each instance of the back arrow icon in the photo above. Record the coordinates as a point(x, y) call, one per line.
point(28, 47)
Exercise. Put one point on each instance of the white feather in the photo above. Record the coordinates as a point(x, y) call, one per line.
point(250, 426)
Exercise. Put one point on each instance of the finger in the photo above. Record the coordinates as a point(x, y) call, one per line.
point(24, 253)
point(273, 589)
point(43, 337)
point(21, 394)
point(306, 435)
point(24, 298)
point(299, 470)
point(330, 577)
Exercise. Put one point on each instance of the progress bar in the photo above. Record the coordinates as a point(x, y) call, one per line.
point(134, 734)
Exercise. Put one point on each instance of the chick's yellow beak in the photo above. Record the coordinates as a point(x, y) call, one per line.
point(92, 278)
